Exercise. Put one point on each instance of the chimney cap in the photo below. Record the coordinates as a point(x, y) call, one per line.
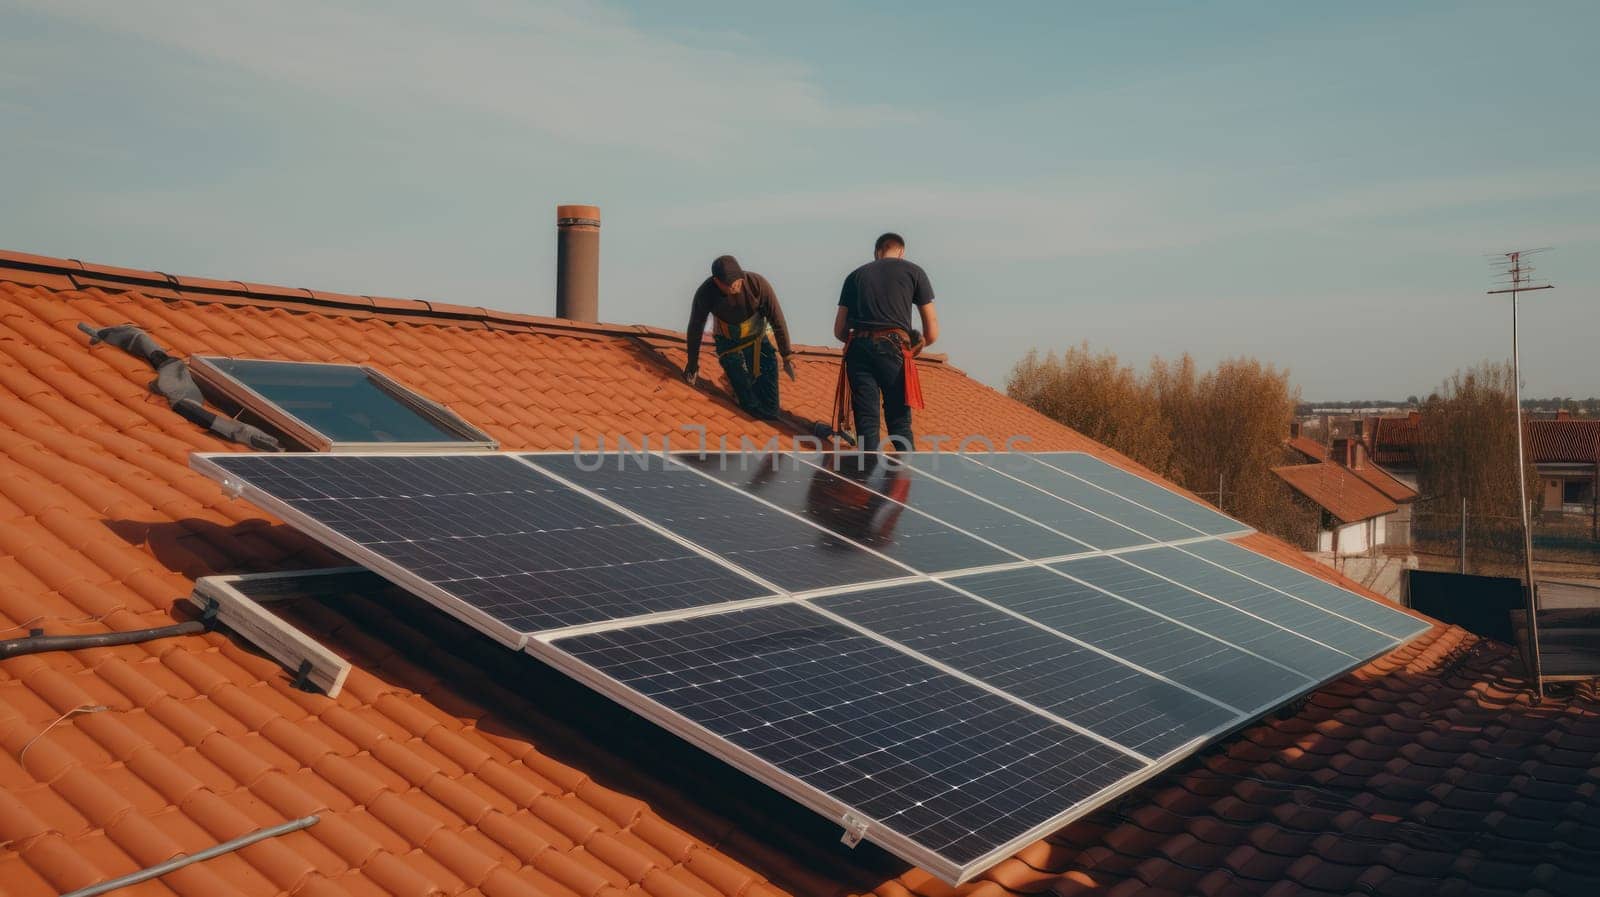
point(575, 214)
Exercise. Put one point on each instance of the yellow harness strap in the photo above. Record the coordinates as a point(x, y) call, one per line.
point(749, 332)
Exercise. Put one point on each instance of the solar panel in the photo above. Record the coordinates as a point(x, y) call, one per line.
point(1153, 526)
point(952, 770)
point(1110, 697)
point(1094, 531)
point(486, 537)
point(955, 715)
point(975, 515)
point(766, 541)
point(844, 507)
point(1268, 603)
point(1288, 649)
point(1324, 594)
point(1146, 492)
point(1128, 631)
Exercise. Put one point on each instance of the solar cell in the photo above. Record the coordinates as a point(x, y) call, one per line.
point(1294, 652)
point(1203, 663)
point(1314, 589)
point(848, 509)
point(971, 513)
point(952, 767)
point(1150, 494)
point(1112, 699)
point(1058, 514)
point(1155, 527)
point(489, 533)
point(762, 539)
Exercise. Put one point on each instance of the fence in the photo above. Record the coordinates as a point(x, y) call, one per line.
point(1497, 538)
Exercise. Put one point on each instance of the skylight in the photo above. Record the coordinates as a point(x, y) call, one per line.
point(336, 407)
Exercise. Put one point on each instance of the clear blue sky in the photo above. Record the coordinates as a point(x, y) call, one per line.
point(1313, 184)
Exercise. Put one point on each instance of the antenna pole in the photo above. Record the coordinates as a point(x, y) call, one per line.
point(1520, 282)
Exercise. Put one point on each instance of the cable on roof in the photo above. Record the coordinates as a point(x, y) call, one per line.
point(37, 642)
point(178, 862)
point(174, 383)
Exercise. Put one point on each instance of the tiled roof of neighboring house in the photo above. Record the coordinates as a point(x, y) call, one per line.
point(1394, 439)
point(1309, 447)
point(1385, 482)
point(1374, 476)
point(1563, 441)
point(445, 768)
point(1337, 490)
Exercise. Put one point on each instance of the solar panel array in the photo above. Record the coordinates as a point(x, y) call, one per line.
point(950, 655)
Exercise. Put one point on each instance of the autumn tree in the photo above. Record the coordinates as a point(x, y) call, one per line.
point(1467, 448)
point(1118, 412)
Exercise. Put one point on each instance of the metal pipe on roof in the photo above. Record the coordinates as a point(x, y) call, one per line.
point(178, 862)
point(578, 263)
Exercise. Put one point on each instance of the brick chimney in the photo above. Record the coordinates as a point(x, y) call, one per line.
point(578, 263)
point(1294, 429)
point(1563, 414)
point(1348, 451)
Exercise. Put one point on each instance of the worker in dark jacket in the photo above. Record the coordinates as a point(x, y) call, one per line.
point(744, 308)
point(874, 323)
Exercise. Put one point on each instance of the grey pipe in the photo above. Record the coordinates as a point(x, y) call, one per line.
point(34, 644)
point(160, 869)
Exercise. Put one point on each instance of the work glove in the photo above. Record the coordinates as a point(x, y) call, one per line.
point(788, 367)
point(691, 375)
point(917, 342)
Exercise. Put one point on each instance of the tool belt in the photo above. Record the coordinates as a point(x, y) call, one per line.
point(748, 333)
point(841, 394)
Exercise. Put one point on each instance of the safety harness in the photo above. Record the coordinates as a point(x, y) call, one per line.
point(749, 333)
point(843, 417)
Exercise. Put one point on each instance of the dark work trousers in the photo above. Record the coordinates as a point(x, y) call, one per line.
point(876, 366)
point(756, 394)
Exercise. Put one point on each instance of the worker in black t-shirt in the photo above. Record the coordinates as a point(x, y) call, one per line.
point(874, 323)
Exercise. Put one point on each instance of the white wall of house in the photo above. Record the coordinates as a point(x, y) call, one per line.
point(1354, 538)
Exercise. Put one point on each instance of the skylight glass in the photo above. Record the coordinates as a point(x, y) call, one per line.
point(330, 406)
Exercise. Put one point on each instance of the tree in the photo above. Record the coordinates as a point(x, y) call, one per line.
point(1467, 448)
point(1096, 395)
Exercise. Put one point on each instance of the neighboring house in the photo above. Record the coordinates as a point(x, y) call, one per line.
point(1566, 453)
point(446, 766)
point(1330, 482)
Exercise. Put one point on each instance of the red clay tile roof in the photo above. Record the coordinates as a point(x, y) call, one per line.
point(445, 769)
point(1569, 441)
point(1394, 439)
point(1563, 441)
point(1385, 482)
point(1337, 490)
point(1374, 476)
point(1309, 447)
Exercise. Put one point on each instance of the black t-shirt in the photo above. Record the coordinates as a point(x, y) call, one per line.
point(880, 294)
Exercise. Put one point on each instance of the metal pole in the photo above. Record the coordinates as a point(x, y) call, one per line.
point(1522, 495)
point(1462, 547)
point(179, 862)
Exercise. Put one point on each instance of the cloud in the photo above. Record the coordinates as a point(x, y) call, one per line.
point(576, 70)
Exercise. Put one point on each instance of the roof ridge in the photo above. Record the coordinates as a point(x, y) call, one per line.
point(80, 275)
